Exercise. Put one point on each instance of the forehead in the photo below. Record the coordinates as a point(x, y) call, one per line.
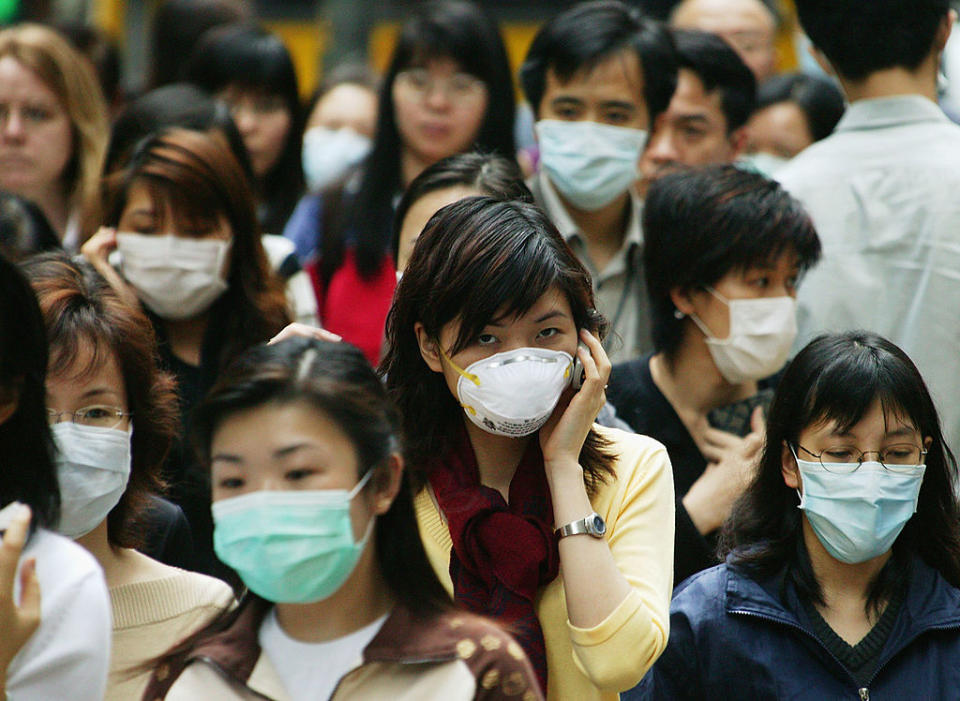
point(444, 65)
point(725, 17)
point(18, 81)
point(691, 98)
point(84, 365)
point(344, 100)
point(875, 423)
point(618, 77)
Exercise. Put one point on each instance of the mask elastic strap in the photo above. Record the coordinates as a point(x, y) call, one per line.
point(799, 474)
point(456, 368)
point(360, 485)
point(703, 327)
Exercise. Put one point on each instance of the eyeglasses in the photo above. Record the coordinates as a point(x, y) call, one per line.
point(97, 416)
point(844, 459)
point(459, 86)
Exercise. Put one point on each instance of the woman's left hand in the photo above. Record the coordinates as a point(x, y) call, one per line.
point(562, 437)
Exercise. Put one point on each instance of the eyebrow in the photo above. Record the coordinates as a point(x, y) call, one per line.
point(290, 449)
point(100, 390)
point(619, 105)
point(895, 433)
point(694, 118)
point(568, 100)
point(550, 315)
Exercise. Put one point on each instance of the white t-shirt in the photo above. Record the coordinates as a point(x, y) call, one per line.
point(69, 654)
point(312, 670)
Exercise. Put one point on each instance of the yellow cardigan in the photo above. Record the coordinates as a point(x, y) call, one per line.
point(585, 664)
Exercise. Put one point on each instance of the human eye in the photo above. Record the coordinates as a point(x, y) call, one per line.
point(840, 453)
point(901, 453)
point(486, 339)
point(231, 482)
point(463, 84)
point(692, 133)
point(299, 474)
point(417, 78)
point(36, 113)
point(549, 333)
point(617, 117)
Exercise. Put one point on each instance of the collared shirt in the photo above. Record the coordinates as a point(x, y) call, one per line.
point(884, 194)
point(620, 288)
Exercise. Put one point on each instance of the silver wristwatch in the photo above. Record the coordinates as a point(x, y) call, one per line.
point(591, 525)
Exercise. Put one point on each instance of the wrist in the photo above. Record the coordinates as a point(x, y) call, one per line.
point(701, 512)
point(563, 469)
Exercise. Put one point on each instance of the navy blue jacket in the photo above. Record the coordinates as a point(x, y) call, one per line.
point(732, 638)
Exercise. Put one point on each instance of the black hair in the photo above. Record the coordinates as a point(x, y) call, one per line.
point(719, 68)
point(455, 29)
point(178, 26)
point(336, 379)
point(181, 105)
point(29, 474)
point(24, 229)
point(592, 32)
point(700, 224)
point(818, 98)
point(491, 175)
point(349, 73)
point(860, 37)
point(477, 259)
point(837, 378)
point(254, 59)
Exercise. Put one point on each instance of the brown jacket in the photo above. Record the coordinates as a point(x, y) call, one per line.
point(450, 656)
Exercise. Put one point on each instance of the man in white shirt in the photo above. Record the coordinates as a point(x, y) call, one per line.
point(596, 77)
point(883, 189)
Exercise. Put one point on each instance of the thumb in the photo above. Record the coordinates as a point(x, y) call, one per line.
point(30, 593)
point(758, 423)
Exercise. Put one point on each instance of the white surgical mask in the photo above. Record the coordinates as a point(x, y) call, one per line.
point(93, 467)
point(762, 332)
point(764, 163)
point(857, 516)
point(590, 164)
point(328, 154)
point(513, 393)
point(174, 276)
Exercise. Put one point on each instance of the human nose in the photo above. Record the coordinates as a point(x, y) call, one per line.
point(662, 149)
point(437, 95)
point(245, 119)
point(13, 126)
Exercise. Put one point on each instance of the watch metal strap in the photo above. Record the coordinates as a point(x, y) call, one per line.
point(574, 528)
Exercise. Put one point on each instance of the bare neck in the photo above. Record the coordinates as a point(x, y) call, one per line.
point(121, 565)
point(603, 229)
point(55, 205)
point(411, 166)
point(497, 457)
point(361, 600)
point(692, 384)
point(186, 338)
point(895, 81)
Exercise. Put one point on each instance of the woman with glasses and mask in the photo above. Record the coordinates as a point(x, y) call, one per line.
point(113, 415)
point(723, 250)
point(447, 90)
point(843, 555)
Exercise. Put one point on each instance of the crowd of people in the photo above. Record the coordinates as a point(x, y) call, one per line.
point(642, 388)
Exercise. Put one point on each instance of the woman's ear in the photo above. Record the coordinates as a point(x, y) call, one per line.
point(9, 401)
point(387, 483)
point(788, 467)
point(429, 350)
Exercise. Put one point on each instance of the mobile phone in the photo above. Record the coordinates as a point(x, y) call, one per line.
point(578, 374)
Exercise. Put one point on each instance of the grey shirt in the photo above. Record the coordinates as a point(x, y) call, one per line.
point(884, 194)
point(620, 288)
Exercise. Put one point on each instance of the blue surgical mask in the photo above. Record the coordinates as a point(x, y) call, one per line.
point(292, 547)
point(858, 515)
point(766, 164)
point(590, 164)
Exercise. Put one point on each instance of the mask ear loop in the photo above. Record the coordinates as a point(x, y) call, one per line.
point(799, 474)
point(469, 376)
point(699, 323)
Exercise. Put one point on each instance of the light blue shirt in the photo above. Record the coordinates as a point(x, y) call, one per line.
point(884, 194)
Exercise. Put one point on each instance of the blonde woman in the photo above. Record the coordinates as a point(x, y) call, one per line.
point(53, 129)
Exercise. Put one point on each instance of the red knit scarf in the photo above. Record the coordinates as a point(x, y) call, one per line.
point(502, 553)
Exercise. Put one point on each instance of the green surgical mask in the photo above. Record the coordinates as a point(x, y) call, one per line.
point(292, 547)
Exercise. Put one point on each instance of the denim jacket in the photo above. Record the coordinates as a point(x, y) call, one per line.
point(733, 637)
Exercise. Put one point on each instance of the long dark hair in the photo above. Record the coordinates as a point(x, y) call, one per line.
point(453, 29)
point(837, 378)
point(337, 380)
point(28, 473)
point(477, 259)
point(202, 181)
point(255, 59)
point(79, 306)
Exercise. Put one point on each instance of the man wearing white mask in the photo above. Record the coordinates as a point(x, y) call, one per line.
point(597, 76)
point(724, 249)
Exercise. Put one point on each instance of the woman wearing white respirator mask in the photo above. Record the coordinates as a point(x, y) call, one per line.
point(188, 249)
point(515, 482)
point(113, 415)
point(314, 513)
point(723, 251)
point(843, 555)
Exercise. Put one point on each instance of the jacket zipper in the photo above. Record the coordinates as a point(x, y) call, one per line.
point(864, 692)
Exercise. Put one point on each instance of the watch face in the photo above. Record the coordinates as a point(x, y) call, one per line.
point(597, 525)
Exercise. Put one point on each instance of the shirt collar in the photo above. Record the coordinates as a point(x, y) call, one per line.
point(880, 112)
point(561, 219)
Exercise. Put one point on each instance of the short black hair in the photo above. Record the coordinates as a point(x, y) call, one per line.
point(700, 224)
point(861, 37)
point(818, 98)
point(492, 175)
point(719, 67)
point(588, 34)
